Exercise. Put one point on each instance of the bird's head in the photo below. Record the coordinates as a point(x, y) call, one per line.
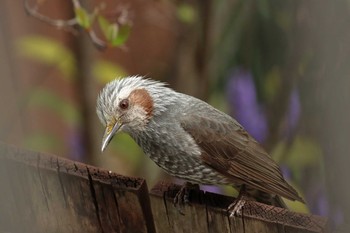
point(128, 104)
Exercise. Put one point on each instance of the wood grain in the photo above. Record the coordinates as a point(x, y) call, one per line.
point(207, 213)
point(43, 193)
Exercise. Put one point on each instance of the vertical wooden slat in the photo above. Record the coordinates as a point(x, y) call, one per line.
point(44, 193)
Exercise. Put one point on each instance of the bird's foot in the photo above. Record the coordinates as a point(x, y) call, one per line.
point(235, 208)
point(183, 196)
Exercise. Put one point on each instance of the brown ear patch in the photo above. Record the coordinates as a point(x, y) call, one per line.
point(142, 98)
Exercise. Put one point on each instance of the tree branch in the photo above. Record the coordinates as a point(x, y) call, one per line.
point(69, 24)
point(57, 23)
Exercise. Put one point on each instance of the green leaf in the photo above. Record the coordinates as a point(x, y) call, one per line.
point(104, 25)
point(296, 206)
point(42, 141)
point(47, 99)
point(112, 32)
point(83, 17)
point(48, 51)
point(119, 34)
point(115, 34)
point(186, 13)
point(105, 71)
point(303, 153)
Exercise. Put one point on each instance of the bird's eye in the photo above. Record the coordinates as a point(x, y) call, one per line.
point(124, 104)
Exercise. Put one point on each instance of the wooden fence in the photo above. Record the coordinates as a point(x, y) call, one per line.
point(42, 193)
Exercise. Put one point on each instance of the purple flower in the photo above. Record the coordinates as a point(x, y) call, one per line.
point(211, 189)
point(287, 174)
point(241, 94)
point(75, 145)
point(317, 199)
point(293, 113)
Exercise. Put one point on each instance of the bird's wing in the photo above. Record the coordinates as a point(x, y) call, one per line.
point(229, 149)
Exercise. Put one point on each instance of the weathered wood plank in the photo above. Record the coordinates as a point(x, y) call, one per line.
point(44, 193)
point(210, 208)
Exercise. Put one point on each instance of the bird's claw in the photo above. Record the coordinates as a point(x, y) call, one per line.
point(182, 197)
point(235, 208)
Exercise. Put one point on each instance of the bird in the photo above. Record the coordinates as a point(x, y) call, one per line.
point(191, 140)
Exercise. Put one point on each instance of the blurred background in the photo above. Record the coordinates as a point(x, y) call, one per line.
point(281, 68)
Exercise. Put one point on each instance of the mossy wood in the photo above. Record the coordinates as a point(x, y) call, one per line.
point(43, 193)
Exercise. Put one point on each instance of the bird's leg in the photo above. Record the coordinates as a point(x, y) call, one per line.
point(183, 195)
point(236, 206)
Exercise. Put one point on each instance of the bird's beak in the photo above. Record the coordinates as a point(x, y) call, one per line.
point(110, 131)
